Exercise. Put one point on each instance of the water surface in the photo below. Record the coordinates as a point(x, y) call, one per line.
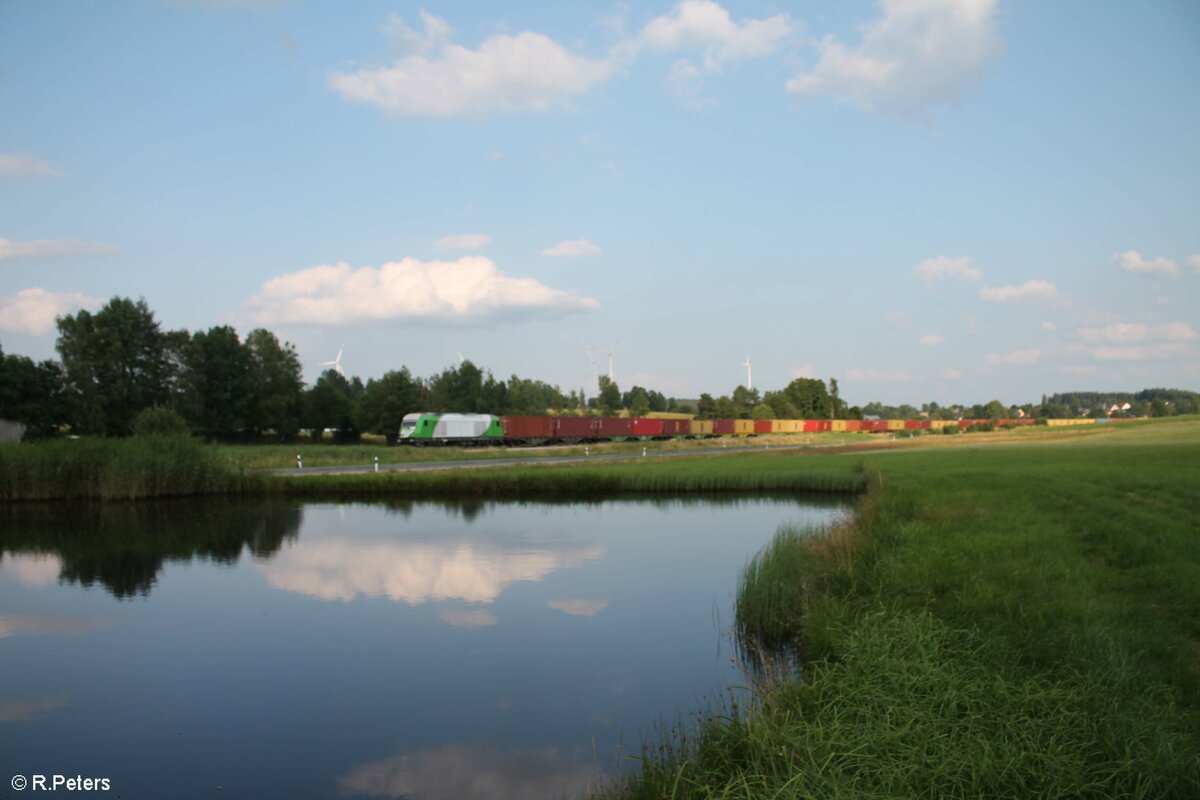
point(426, 651)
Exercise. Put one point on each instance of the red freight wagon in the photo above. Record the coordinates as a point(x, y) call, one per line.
point(762, 426)
point(676, 427)
point(574, 427)
point(614, 426)
point(647, 427)
point(723, 427)
point(915, 424)
point(527, 427)
point(875, 425)
point(824, 425)
point(854, 425)
point(810, 426)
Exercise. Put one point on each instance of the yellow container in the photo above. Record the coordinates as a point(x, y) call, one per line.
point(702, 427)
point(895, 424)
point(743, 427)
point(795, 426)
point(839, 425)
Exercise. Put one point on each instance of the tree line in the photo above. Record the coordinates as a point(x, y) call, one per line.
point(118, 366)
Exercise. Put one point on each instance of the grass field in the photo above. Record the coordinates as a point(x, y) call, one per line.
point(1011, 621)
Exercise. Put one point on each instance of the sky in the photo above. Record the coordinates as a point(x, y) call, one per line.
point(928, 200)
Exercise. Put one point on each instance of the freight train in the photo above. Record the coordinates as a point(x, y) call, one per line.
point(431, 428)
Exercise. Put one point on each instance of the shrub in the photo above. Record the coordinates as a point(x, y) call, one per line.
point(159, 421)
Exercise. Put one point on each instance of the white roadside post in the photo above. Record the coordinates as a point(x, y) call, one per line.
point(299, 463)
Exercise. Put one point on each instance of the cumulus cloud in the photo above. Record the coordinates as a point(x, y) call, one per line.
point(44, 248)
point(805, 370)
point(524, 72)
point(18, 164)
point(1147, 352)
point(951, 374)
point(1123, 332)
point(1132, 261)
point(877, 375)
point(579, 606)
point(573, 248)
point(1049, 326)
point(462, 241)
point(932, 269)
point(1194, 262)
point(470, 288)
point(931, 340)
point(34, 310)
point(918, 54)
point(696, 24)
point(1032, 291)
point(408, 41)
point(1015, 358)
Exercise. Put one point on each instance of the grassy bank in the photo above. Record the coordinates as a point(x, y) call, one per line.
point(112, 469)
point(1001, 622)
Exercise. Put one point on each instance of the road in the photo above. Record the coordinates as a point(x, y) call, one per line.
point(478, 463)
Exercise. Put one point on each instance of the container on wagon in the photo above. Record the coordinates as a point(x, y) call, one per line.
point(614, 426)
point(701, 427)
point(763, 425)
point(676, 427)
point(527, 427)
point(723, 427)
point(580, 428)
point(743, 427)
point(641, 426)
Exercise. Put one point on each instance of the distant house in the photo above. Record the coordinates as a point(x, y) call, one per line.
point(11, 431)
point(871, 417)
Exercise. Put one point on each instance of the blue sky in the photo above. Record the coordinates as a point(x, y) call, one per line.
point(925, 199)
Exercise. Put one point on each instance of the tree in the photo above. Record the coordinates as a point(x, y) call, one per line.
point(839, 407)
point(995, 410)
point(610, 396)
point(33, 394)
point(385, 402)
point(706, 407)
point(744, 400)
point(277, 386)
point(724, 408)
point(639, 405)
point(218, 381)
point(781, 406)
point(116, 364)
point(762, 411)
point(328, 404)
point(809, 397)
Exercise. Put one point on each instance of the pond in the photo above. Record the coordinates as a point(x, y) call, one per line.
point(425, 651)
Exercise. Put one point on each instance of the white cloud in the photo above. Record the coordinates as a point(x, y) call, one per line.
point(462, 241)
point(407, 41)
point(920, 53)
point(1014, 358)
point(524, 72)
point(931, 340)
point(1032, 291)
point(1194, 262)
point(579, 606)
point(1132, 261)
point(39, 569)
point(45, 248)
point(1148, 352)
point(804, 371)
point(685, 82)
point(878, 375)
point(1049, 326)
point(17, 164)
point(899, 320)
point(470, 288)
point(1124, 332)
point(34, 310)
point(573, 248)
point(951, 374)
point(932, 269)
point(705, 24)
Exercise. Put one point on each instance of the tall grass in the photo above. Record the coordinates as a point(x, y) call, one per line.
point(111, 469)
point(1009, 622)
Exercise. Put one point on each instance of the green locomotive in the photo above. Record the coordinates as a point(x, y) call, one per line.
point(429, 428)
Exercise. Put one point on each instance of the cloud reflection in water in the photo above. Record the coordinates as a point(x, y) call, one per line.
point(472, 772)
point(342, 569)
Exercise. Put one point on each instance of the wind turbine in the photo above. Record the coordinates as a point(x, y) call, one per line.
point(336, 363)
point(749, 380)
point(460, 356)
point(611, 350)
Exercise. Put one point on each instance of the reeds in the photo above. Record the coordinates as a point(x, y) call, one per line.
point(112, 469)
